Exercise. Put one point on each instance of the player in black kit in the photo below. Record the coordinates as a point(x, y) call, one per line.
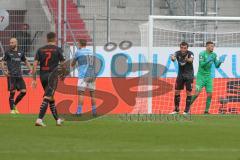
point(185, 76)
point(12, 59)
point(49, 57)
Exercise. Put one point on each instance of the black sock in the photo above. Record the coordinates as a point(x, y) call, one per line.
point(53, 109)
point(188, 103)
point(20, 97)
point(43, 108)
point(176, 102)
point(11, 100)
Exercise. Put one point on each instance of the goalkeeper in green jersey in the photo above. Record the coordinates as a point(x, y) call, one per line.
point(204, 79)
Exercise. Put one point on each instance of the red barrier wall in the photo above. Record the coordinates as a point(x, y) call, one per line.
point(118, 96)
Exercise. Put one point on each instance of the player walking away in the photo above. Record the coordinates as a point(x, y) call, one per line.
point(12, 59)
point(204, 79)
point(86, 77)
point(49, 57)
point(185, 76)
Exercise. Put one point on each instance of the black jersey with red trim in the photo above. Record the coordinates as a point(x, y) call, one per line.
point(49, 57)
point(185, 68)
point(13, 60)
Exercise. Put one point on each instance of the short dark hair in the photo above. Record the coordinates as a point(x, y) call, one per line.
point(183, 44)
point(209, 42)
point(51, 36)
point(82, 42)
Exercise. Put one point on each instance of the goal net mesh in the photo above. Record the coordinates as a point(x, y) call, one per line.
point(166, 37)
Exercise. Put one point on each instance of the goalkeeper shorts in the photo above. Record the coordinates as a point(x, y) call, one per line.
point(204, 81)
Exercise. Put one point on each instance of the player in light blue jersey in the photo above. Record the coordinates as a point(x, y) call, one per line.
point(86, 75)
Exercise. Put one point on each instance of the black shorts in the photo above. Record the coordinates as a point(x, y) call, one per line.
point(16, 83)
point(49, 84)
point(182, 81)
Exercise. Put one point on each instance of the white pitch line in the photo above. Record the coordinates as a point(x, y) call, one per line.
point(125, 150)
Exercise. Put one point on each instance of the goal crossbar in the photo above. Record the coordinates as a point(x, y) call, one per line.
point(207, 18)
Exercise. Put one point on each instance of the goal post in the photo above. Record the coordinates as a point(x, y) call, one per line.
point(150, 57)
point(164, 34)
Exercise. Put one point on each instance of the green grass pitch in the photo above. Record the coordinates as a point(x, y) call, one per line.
point(202, 138)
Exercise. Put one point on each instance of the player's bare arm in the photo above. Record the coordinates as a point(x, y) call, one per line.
point(28, 65)
point(73, 63)
point(34, 74)
point(173, 57)
point(4, 67)
point(64, 71)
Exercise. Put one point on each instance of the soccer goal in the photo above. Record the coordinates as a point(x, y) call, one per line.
point(162, 36)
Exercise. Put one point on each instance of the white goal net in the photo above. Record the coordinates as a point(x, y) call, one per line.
point(162, 36)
